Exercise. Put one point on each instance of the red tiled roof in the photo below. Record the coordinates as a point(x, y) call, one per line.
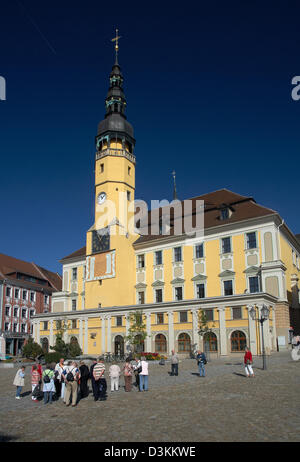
point(78, 253)
point(242, 208)
point(11, 265)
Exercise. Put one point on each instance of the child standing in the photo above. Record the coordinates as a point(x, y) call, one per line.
point(19, 381)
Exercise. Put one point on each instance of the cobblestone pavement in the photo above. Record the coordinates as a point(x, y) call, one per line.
point(223, 406)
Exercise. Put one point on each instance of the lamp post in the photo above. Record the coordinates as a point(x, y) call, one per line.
point(264, 315)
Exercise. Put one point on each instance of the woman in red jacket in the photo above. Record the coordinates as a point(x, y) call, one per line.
point(248, 362)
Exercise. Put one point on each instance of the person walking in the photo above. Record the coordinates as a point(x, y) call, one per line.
point(48, 384)
point(128, 373)
point(71, 379)
point(137, 369)
point(174, 363)
point(84, 377)
point(144, 376)
point(100, 382)
point(114, 374)
point(201, 361)
point(35, 379)
point(19, 381)
point(58, 380)
point(248, 363)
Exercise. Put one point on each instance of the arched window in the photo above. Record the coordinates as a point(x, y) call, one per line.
point(45, 345)
point(160, 343)
point(210, 342)
point(184, 343)
point(119, 345)
point(238, 341)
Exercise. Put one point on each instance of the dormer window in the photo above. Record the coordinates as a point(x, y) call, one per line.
point(225, 214)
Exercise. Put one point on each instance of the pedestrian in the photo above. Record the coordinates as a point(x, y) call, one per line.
point(100, 382)
point(19, 381)
point(93, 378)
point(174, 363)
point(72, 377)
point(143, 376)
point(114, 374)
point(48, 384)
point(248, 363)
point(39, 369)
point(137, 369)
point(35, 379)
point(128, 372)
point(83, 382)
point(58, 380)
point(201, 361)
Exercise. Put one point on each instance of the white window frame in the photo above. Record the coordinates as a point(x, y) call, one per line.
point(18, 314)
point(8, 306)
point(233, 286)
point(174, 254)
point(174, 292)
point(195, 250)
point(195, 286)
point(248, 283)
point(26, 313)
point(162, 294)
point(155, 259)
point(246, 240)
point(221, 245)
point(137, 297)
point(138, 261)
point(34, 296)
point(10, 289)
point(17, 298)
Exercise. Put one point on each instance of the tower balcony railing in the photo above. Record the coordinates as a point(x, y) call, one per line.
point(115, 152)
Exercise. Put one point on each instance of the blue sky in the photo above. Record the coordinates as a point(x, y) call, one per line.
point(208, 88)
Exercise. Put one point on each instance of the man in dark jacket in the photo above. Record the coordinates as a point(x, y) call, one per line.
point(201, 361)
point(93, 379)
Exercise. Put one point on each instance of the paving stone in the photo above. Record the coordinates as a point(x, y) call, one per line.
point(223, 406)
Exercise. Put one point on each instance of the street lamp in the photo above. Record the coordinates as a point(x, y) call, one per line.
point(264, 315)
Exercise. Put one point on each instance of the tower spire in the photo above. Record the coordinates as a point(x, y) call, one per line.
point(174, 190)
point(116, 39)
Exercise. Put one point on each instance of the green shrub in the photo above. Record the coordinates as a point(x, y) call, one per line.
point(32, 349)
point(52, 357)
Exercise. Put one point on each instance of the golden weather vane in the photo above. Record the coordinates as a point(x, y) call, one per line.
point(116, 39)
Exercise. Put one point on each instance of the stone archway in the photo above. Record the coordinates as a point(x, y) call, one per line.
point(119, 345)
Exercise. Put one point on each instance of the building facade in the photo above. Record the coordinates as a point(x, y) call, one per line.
point(247, 257)
point(25, 290)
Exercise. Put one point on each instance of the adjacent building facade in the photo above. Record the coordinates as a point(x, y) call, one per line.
point(25, 290)
point(247, 257)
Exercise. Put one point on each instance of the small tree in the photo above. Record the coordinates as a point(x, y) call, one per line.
point(32, 349)
point(65, 350)
point(137, 331)
point(203, 323)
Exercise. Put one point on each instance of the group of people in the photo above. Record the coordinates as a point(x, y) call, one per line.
point(70, 381)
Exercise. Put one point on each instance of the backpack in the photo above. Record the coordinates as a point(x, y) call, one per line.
point(70, 376)
point(46, 378)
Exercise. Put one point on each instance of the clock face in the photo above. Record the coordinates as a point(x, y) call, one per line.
point(101, 198)
point(100, 240)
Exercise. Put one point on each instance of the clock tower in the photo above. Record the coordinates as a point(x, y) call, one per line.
point(110, 255)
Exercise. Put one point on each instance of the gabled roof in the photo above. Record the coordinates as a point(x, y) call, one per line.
point(10, 266)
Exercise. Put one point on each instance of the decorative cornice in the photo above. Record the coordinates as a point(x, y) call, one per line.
point(178, 281)
point(199, 277)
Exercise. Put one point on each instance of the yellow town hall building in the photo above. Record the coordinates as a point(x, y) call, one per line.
point(247, 257)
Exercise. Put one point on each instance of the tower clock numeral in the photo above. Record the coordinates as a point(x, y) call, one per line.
point(100, 241)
